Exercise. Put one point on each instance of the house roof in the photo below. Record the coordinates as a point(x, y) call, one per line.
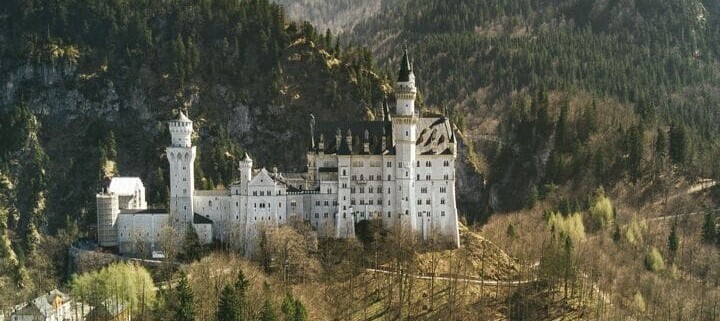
point(124, 186)
point(42, 304)
point(199, 219)
point(434, 137)
point(405, 68)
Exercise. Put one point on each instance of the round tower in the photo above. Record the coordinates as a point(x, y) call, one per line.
point(404, 126)
point(405, 90)
point(246, 165)
point(108, 208)
point(181, 156)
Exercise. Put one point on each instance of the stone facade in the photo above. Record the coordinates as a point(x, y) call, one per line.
point(399, 170)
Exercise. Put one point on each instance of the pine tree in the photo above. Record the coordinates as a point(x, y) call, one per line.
point(229, 305)
point(268, 311)
point(288, 307)
point(191, 245)
point(183, 307)
point(300, 311)
point(709, 228)
point(673, 242)
point(678, 144)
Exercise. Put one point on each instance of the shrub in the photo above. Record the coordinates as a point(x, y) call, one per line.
point(600, 214)
point(570, 226)
point(654, 260)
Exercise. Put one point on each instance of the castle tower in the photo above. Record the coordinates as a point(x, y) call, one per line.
point(405, 133)
point(181, 156)
point(246, 165)
point(108, 209)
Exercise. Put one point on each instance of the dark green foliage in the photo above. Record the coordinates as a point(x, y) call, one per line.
point(182, 307)
point(229, 305)
point(268, 311)
point(678, 144)
point(709, 228)
point(192, 249)
point(673, 241)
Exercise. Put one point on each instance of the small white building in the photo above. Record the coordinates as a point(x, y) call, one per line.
point(399, 170)
point(51, 306)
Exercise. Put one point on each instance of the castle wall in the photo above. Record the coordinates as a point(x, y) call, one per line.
point(135, 228)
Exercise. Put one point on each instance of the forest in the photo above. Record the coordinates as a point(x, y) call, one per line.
point(588, 130)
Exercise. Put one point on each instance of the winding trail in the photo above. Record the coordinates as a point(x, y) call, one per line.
point(463, 279)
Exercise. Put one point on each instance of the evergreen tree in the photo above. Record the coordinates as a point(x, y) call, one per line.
point(192, 249)
point(673, 242)
point(229, 305)
point(183, 308)
point(300, 311)
point(678, 144)
point(268, 311)
point(709, 228)
point(288, 307)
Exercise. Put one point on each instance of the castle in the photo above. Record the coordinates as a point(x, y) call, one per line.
point(399, 171)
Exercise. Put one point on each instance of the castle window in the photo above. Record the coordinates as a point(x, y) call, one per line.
point(388, 202)
point(446, 163)
point(237, 204)
point(388, 190)
point(427, 177)
point(344, 215)
point(370, 190)
point(388, 214)
point(254, 193)
point(407, 133)
point(335, 203)
point(370, 202)
point(325, 215)
point(317, 215)
point(442, 213)
point(344, 172)
point(427, 201)
point(317, 203)
point(418, 177)
point(352, 189)
point(362, 190)
point(210, 203)
point(184, 179)
point(370, 177)
point(293, 203)
point(442, 201)
point(407, 173)
point(326, 203)
point(389, 164)
point(354, 177)
point(378, 177)
point(407, 212)
point(428, 164)
point(419, 214)
point(329, 190)
point(443, 189)
point(423, 190)
point(344, 185)
point(419, 202)
point(389, 177)
point(344, 207)
point(418, 164)
point(446, 176)
point(352, 201)
point(362, 214)
point(184, 168)
point(362, 177)
point(262, 193)
point(280, 205)
point(362, 201)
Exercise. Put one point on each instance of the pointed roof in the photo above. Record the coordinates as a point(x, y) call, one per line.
point(182, 117)
point(405, 68)
point(246, 157)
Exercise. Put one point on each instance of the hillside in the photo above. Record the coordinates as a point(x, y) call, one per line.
point(573, 86)
point(89, 85)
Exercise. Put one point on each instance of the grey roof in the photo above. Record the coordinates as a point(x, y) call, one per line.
point(107, 310)
point(43, 304)
point(145, 211)
point(376, 130)
point(199, 219)
point(405, 68)
point(434, 137)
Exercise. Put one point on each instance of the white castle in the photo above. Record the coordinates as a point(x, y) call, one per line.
point(399, 171)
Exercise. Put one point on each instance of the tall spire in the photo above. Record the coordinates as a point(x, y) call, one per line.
point(405, 68)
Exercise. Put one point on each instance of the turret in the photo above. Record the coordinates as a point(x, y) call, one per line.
point(181, 156)
point(405, 90)
point(245, 167)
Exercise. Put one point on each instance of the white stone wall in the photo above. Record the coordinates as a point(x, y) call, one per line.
point(136, 227)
